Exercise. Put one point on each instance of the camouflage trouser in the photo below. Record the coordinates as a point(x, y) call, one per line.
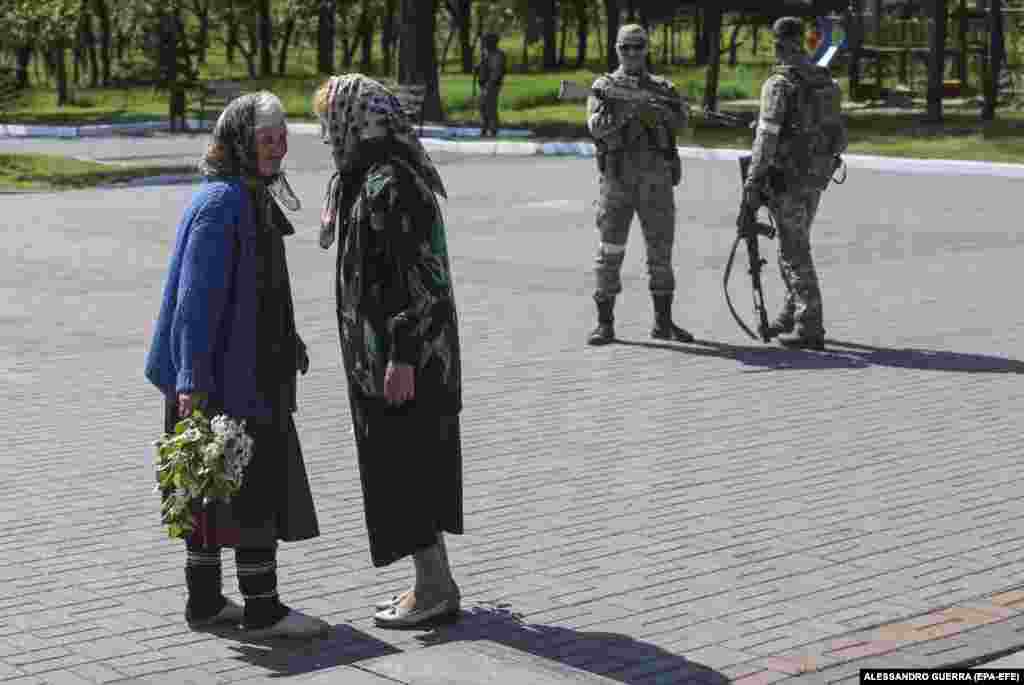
point(644, 187)
point(489, 109)
point(795, 211)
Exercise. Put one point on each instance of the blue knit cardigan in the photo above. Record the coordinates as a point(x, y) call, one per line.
point(205, 336)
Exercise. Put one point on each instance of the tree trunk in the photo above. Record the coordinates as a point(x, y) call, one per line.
point(366, 40)
point(550, 34)
point(525, 61)
point(325, 31)
point(855, 36)
point(937, 62)
point(233, 38)
point(734, 45)
point(995, 17)
point(251, 52)
point(612, 11)
point(23, 59)
point(266, 29)
point(563, 41)
point(466, 35)
point(417, 60)
point(286, 39)
point(347, 43)
point(582, 29)
point(202, 11)
point(701, 41)
point(387, 35)
point(106, 37)
point(60, 64)
point(713, 32)
point(447, 47)
point(89, 44)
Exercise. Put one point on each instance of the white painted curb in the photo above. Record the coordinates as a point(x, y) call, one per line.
point(94, 130)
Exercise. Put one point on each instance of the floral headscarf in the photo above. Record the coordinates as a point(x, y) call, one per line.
point(361, 109)
point(235, 131)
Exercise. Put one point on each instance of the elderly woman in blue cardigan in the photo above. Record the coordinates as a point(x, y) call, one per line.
point(225, 340)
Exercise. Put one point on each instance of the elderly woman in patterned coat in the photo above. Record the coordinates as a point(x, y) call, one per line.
point(226, 340)
point(399, 338)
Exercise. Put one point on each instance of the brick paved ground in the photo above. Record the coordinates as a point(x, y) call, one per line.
point(653, 513)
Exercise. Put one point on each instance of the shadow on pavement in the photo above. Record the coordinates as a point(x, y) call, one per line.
point(344, 645)
point(611, 655)
point(839, 354)
point(930, 360)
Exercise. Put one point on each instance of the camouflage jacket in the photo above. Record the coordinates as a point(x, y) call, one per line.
point(394, 289)
point(798, 157)
point(614, 123)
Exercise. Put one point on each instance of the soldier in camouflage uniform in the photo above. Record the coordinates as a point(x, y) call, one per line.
point(800, 136)
point(639, 164)
point(491, 73)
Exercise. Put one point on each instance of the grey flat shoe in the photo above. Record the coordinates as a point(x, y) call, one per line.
point(397, 616)
point(392, 601)
point(232, 613)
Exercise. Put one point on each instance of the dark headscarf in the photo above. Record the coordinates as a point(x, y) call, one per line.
point(361, 112)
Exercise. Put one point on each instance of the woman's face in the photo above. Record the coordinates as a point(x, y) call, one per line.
point(271, 147)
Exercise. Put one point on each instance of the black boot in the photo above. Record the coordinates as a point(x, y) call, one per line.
point(664, 329)
point(804, 338)
point(785, 322)
point(604, 333)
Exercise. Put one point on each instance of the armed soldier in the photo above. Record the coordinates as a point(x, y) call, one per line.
point(799, 138)
point(639, 164)
point(491, 74)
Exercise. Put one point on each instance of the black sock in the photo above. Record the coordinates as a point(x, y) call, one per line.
point(203, 580)
point(257, 579)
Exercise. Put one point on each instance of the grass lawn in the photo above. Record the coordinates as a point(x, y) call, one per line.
point(52, 172)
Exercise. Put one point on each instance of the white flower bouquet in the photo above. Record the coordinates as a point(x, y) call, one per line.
point(202, 463)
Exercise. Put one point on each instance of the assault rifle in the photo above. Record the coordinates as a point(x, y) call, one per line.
point(748, 229)
point(571, 91)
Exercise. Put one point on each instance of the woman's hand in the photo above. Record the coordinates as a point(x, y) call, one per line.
point(187, 401)
point(399, 383)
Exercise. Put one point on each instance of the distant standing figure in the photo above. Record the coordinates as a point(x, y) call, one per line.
point(800, 135)
point(639, 165)
point(491, 74)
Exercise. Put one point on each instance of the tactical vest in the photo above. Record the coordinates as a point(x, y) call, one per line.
point(612, 149)
point(814, 133)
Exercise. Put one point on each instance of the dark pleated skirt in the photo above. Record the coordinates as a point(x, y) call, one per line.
point(410, 465)
point(275, 501)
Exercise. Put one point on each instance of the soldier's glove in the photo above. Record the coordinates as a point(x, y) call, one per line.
point(753, 196)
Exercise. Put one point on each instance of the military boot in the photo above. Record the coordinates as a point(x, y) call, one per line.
point(605, 332)
point(804, 338)
point(785, 322)
point(664, 329)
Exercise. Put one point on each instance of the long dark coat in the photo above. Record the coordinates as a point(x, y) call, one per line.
point(395, 303)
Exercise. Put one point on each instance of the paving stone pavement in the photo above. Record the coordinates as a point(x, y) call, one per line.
point(647, 512)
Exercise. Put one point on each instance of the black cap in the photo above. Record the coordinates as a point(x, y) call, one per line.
point(788, 28)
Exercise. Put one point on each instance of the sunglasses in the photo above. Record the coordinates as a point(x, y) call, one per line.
point(633, 47)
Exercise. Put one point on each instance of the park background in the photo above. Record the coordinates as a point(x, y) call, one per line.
point(79, 62)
